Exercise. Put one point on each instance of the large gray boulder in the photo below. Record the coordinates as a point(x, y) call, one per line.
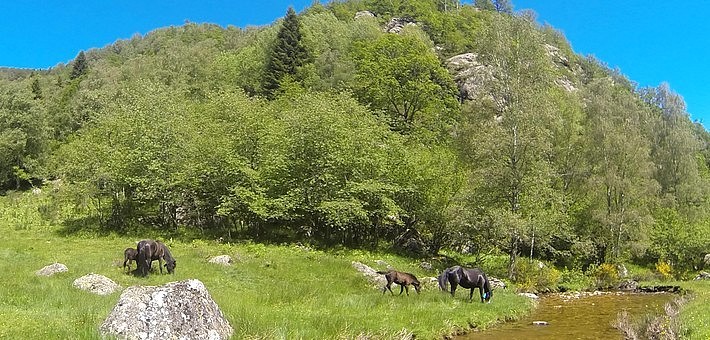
point(177, 310)
point(97, 284)
point(52, 269)
point(377, 280)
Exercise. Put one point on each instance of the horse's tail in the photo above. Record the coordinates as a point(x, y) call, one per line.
point(444, 279)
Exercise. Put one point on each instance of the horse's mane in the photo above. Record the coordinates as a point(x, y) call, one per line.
point(444, 277)
point(166, 252)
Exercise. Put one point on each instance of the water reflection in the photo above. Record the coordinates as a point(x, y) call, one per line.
point(585, 317)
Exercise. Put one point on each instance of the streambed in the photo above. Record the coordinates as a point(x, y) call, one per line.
point(577, 316)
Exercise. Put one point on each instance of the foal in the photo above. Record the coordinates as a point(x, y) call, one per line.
point(130, 254)
point(402, 279)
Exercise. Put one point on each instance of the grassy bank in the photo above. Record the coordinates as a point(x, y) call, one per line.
point(695, 315)
point(273, 292)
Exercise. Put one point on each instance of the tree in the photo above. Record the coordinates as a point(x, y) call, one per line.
point(503, 6)
point(505, 138)
point(485, 5)
point(287, 55)
point(620, 185)
point(80, 66)
point(401, 76)
point(675, 150)
point(36, 89)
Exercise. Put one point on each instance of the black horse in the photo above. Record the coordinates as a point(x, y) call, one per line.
point(149, 251)
point(466, 278)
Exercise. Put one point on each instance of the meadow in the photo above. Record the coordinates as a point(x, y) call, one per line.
point(269, 292)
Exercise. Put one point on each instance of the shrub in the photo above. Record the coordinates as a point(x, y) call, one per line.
point(606, 274)
point(536, 276)
point(665, 269)
point(576, 280)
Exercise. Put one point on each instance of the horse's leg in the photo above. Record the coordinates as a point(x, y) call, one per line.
point(480, 291)
point(401, 289)
point(160, 263)
point(470, 295)
point(453, 288)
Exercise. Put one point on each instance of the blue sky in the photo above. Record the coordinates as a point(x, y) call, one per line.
point(649, 41)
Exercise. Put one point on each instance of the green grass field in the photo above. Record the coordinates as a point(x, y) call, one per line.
point(270, 292)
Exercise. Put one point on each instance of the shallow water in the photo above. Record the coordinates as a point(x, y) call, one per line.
point(586, 317)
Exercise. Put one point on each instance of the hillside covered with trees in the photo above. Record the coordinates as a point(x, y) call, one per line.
point(422, 125)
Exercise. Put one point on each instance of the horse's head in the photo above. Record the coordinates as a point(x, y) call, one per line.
point(417, 286)
point(170, 265)
point(488, 296)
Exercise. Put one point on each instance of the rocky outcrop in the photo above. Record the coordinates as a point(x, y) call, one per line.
point(364, 15)
point(97, 284)
point(52, 269)
point(396, 25)
point(177, 310)
point(703, 276)
point(471, 76)
point(224, 260)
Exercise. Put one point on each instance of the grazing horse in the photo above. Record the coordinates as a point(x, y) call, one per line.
point(467, 278)
point(129, 255)
point(149, 251)
point(400, 278)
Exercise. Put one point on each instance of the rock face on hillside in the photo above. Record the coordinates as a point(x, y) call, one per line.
point(52, 269)
point(471, 76)
point(475, 79)
point(396, 25)
point(97, 284)
point(177, 310)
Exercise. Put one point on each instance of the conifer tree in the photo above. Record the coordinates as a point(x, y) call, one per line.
point(80, 66)
point(36, 89)
point(287, 55)
point(485, 5)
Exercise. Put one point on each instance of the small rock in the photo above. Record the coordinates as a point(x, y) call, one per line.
point(529, 295)
point(224, 260)
point(97, 284)
point(52, 269)
point(540, 323)
point(496, 283)
point(426, 266)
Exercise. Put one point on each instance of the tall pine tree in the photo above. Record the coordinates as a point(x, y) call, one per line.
point(80, 66)
point(287, 55)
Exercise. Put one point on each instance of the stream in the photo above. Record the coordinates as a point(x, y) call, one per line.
point(588, 316)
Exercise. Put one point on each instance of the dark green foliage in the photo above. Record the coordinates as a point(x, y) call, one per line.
point(36, 89)
point(80, 66)
point(485, 5)
point(287, 55)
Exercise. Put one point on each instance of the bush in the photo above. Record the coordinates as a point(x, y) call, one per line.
point(536, 276)
point(665, 269)
point(575, 280)
point(606, 274)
